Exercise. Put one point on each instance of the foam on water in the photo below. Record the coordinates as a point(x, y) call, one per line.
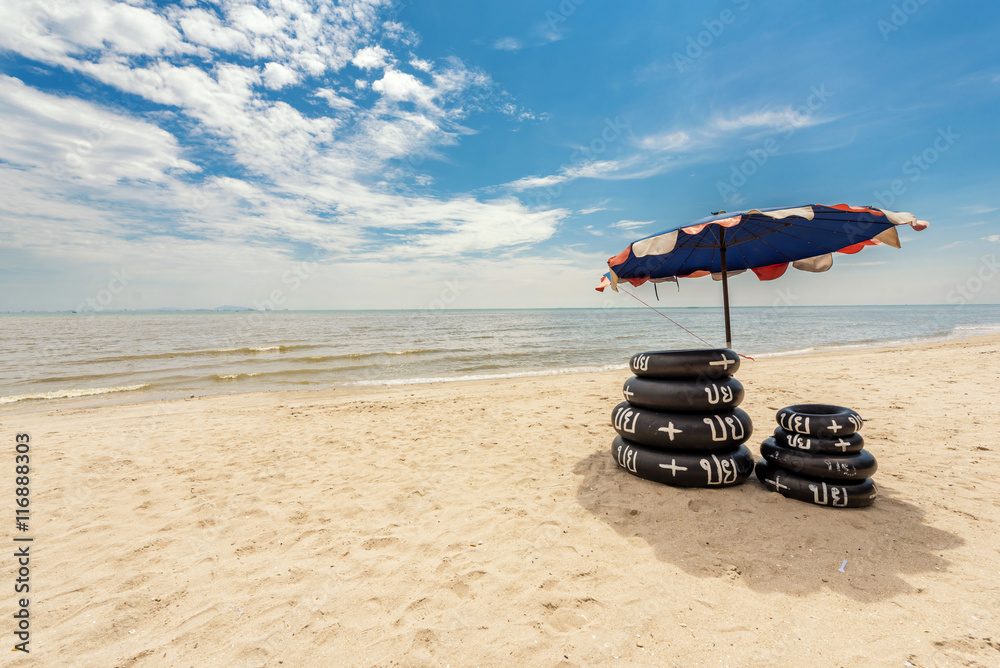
point(488, 376)
point(65, 394)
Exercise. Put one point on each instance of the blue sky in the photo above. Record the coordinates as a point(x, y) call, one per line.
point(378, 154)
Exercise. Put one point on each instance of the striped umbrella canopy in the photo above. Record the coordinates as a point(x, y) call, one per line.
point(765, 241)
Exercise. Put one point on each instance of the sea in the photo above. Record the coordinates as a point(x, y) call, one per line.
point(137, 356)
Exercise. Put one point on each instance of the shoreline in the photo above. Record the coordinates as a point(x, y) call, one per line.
point(123, 398)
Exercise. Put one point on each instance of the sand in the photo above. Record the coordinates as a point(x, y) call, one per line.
point(486, 524)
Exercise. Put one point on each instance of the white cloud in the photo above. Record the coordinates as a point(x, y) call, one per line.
point(277, 76)
point(335, 100)
point(600, 206)
point(977, 210)
point(508, 44)
point(67, 137)
point(371, 57)
point(540, 34)
point(422, 65)
point(995, 238)
point(668, 141)
point(402, 87)
point(596, 169)
point(252, 19)
point(205, 29)
point(785, 118)
point(631, 224)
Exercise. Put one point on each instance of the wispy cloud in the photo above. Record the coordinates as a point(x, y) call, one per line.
point(674, 147)
point(508, 44)
point(995, 238)
point(597, 169)
point(539, 34)
point(631, 224)
point(600, 206)
point(977, 210)
point(775, 120)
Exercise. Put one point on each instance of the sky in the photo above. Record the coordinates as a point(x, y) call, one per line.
point(375, 154)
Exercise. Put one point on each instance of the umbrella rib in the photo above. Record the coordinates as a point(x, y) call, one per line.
point(824, 248)
point(779, 252)
point(746, 260)
point(691, 249)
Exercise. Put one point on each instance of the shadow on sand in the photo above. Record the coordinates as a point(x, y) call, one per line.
point(768, 542)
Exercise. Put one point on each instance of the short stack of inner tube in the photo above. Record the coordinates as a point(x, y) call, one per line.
point(679, 423)
point(817, 455)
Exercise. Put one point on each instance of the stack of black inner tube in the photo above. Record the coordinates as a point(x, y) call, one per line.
point(817, 455)
point(679, 423)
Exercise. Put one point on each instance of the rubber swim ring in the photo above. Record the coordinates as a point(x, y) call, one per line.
point(850, 443)
point(822, 493)
point(684, 396)
point(852, 466)
point(680, 431)
point(684, 469)
point(706, 364)
point(820, 420)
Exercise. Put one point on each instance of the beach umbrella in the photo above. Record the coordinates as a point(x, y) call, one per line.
point(765, 241)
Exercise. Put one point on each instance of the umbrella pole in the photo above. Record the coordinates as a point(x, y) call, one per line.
point(725, 289)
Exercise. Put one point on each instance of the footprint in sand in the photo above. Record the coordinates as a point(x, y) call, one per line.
point(379, 542)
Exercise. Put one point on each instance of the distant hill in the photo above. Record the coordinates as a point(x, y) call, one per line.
point(232, 308)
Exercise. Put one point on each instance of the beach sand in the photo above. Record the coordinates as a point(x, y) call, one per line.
point(485, 524)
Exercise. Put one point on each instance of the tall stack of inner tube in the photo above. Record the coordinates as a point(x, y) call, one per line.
point(679, 423)
point(817, 455)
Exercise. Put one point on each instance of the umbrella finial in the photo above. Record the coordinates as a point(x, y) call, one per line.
point(716, 213)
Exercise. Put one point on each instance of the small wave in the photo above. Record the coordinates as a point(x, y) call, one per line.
point(63, 394)
point(976, 330)
point(252, 350)
point(931, 337)
point(235, 376)
point(490, 376)
point(358, 356)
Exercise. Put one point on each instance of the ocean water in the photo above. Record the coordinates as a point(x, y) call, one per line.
point(139, 356)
